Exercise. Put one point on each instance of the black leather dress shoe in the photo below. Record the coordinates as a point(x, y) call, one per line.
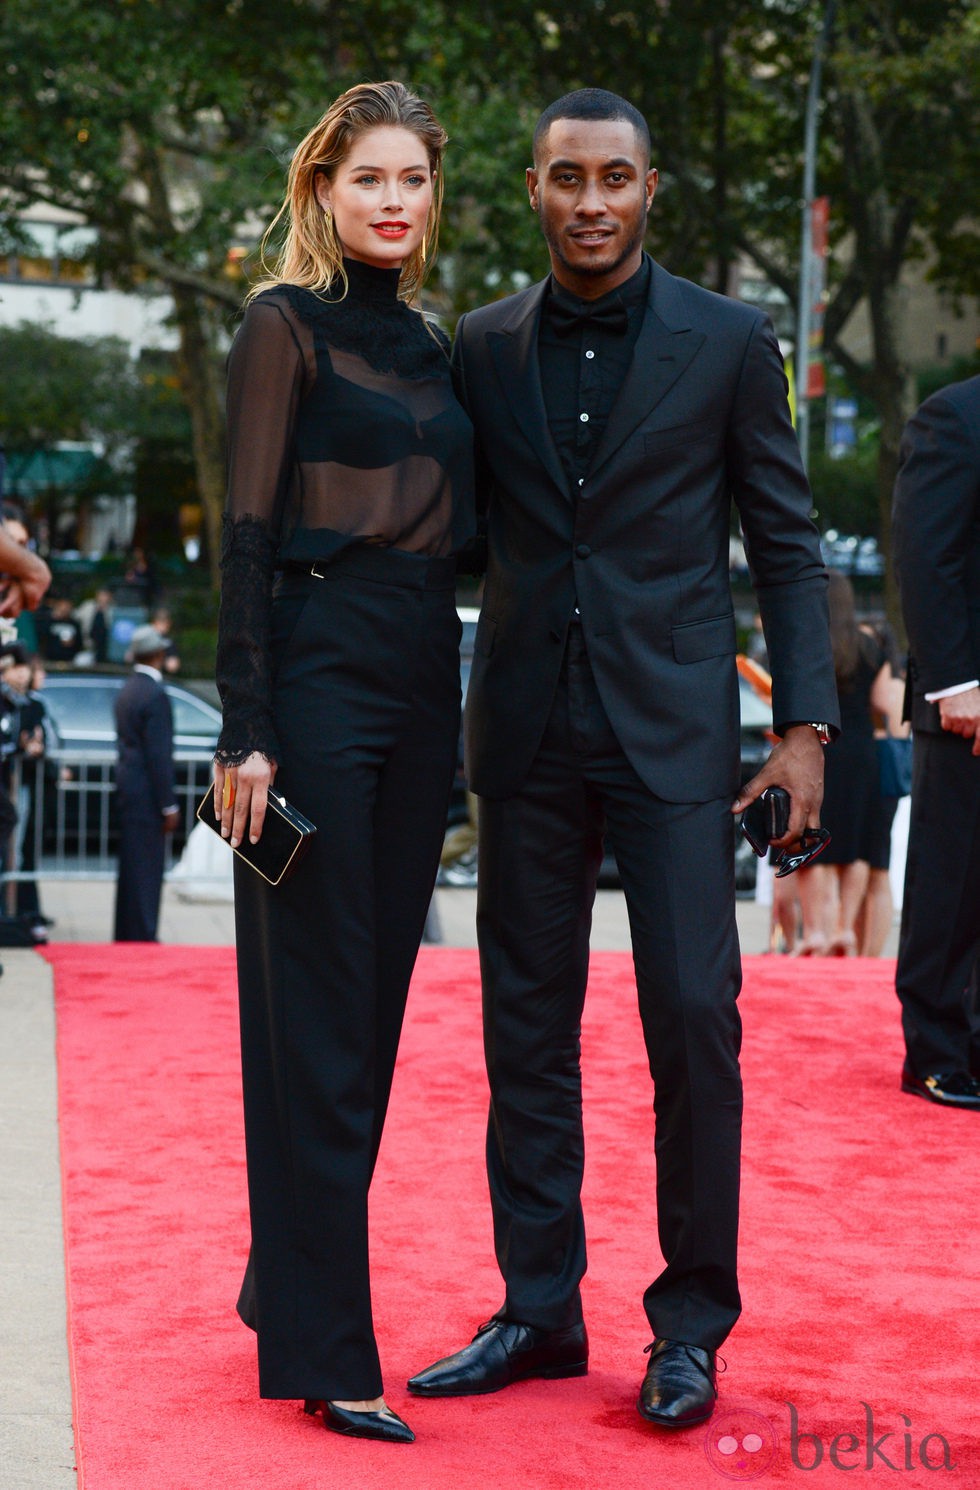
point(384, 1424)
point(948, 1088)
point(679, 1386)
point(502, 1352)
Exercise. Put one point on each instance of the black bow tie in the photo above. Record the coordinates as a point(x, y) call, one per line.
point(567, 318)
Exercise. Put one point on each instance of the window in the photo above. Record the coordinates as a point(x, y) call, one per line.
point(51, 253)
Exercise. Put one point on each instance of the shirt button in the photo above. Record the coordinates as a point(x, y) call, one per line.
point(590, 355)
point(583, 551)
point(584, 418)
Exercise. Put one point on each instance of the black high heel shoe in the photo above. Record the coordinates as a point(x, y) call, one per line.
point(384, 1425)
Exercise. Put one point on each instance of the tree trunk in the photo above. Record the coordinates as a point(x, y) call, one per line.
point(894, 407)
point(723, 260)
point(881, 225)
point(196, 366)
point(199, 384)
point(892, 394)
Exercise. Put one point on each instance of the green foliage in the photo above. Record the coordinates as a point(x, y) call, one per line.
point(168, 124)
point(56, 389)
point(845, 491)
point(931, 379)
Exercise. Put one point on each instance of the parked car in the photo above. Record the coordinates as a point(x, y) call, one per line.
point(79, 773)
point(81, 708)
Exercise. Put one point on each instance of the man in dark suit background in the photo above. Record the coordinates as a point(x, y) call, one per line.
point(937, 554)
point(145, 792)
point(619, 411)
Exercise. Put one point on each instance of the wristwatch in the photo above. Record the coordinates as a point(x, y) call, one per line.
point(824, 734)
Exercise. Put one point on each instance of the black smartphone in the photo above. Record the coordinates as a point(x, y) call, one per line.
point(766, 818)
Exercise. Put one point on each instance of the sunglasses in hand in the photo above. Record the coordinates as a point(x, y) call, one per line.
point(813, 841)
point(767, 818)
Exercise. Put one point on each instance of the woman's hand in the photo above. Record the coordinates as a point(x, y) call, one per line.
point(240, 796)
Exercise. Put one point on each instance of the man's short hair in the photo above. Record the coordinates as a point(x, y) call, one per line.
point(591, 103)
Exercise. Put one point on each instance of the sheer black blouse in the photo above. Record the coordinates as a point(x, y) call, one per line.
point(342, 429)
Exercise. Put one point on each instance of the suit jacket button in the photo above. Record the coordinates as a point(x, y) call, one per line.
point(583, 551)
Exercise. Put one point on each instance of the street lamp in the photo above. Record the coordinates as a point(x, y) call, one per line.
point(806, 239)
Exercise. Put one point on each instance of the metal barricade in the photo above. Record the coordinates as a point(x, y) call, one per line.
point(66, 810)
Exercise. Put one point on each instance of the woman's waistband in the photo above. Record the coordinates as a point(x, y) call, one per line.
point(390, 566)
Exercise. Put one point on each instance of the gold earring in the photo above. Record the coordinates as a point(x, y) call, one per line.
point(423, 248)
point(328, 217)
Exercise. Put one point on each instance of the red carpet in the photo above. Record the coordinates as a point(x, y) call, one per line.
point(860, 1259)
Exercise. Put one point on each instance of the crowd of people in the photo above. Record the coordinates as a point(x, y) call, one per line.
point(52, 630)
point(92, 633)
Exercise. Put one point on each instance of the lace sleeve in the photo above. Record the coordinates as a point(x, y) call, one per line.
point(244, 664)
point(265, 374)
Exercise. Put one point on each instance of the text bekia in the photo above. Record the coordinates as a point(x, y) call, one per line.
point(895, 1449)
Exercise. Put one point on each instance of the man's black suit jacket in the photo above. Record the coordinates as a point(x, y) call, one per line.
point(144, 729)
point(643, 547)
point(936, 539)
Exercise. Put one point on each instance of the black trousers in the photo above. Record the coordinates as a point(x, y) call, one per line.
point(28, 899)
point(141, 861)
point(539, 857)
point(938, 974)
point(366, 701)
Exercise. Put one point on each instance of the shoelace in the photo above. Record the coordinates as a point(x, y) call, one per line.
point(721, 1365)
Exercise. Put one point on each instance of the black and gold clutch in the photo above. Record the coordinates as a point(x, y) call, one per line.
point(286, 836)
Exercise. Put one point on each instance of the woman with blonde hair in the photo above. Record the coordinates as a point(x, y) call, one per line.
point(349, 492)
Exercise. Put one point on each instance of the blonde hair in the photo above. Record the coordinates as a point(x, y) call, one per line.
point(311, 254)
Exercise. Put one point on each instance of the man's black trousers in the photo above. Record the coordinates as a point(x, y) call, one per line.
point(539, 857)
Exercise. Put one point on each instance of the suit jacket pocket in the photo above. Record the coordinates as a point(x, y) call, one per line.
point(678, 434)
point(697, 640)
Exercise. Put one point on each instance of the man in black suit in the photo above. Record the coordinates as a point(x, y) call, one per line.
point(937, 555)
point(619, 411)
point(145, 792)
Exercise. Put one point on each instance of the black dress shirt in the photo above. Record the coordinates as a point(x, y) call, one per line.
point(583, 366)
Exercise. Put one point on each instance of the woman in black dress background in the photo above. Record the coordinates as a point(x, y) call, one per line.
point(859, 817)
point(350, 490)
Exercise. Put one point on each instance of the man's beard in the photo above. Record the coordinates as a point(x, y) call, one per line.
point(594, 266)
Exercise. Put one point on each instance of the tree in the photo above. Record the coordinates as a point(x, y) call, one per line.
point(900, 155)
point(159, 122)
point(168, 123)
point(59, 389)
point(55, 388)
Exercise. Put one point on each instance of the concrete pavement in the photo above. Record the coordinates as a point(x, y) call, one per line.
point(37, 1451)
point(82, 912)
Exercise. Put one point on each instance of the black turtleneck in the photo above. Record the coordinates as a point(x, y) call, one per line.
point(582, 369)
point(343, 429)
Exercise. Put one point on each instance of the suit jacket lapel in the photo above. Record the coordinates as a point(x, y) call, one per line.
point(515, 354)
point(664, 349)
